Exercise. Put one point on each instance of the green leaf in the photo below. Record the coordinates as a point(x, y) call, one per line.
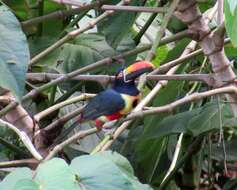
point(87, 49)
point(233, 5)
point(19, 174)
point(119, 160)
point(118, 25)
point(194, 122)
point(206, 120)
point(230, 185)
point(26, 184)
point(231, 20)
point(230, 147)
point(106, 171)
point(125, 167)
point(14, 53)
point(161, 54)
point(56, 175)
point(148, 158)
point(172, 124)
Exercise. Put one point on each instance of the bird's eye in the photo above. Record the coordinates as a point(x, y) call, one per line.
point(120, 74)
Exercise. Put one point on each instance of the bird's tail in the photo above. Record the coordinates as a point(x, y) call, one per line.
point(66, 131)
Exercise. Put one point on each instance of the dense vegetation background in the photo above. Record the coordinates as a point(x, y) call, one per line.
point(57, 54)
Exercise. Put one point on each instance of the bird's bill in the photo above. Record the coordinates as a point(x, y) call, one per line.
point(137, 69)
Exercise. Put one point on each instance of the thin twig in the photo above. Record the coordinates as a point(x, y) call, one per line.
point(72, 139)
point(75, 3)
point(105, 79)
point(149, 21)
point(149, 97)
point(61, 14)
point(62, 120)
point(18, 163)
point(162, 29)
point(191, 98)
point(139, 114)
point(221, 135)
point(138, 37)
point(165, 67)
point(191, 150)
point(155, 90)
point(71, 35)
point(47, 77)
point(97, 64)
point(179, 142)
point(220, 12)
point(209, 17)
point(55, 107)
point(134, 9)
point(207, 78)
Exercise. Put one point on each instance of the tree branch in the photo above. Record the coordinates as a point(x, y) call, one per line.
point(191, 98)
point(166, 66)
point(72, 139)
point(134, 9)
point(18, 163)
point(25, 139)
point(71, 35)
point(62, 14)
point(97, 64)
point(148, 98)
point(47, 77)
point(211, 43)
point(161, 31)
point(55, 107)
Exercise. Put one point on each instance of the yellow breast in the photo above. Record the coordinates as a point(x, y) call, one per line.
point(129, 103)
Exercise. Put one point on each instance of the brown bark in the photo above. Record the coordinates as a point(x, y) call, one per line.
point(20, 118)
point(211, 43)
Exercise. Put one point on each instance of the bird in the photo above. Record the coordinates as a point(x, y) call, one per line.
point(117, 101)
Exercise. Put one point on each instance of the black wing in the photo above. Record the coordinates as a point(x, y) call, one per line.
point(105, 103)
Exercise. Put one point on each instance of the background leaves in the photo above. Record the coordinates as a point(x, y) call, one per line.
point(14, 53)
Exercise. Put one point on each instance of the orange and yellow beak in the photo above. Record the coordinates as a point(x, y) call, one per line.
point(137, 69)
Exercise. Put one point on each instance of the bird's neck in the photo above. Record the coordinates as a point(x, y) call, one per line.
point(126, 88)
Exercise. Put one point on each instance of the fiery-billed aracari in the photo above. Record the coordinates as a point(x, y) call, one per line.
point(117, 101)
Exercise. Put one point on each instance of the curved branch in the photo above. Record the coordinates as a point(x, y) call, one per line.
point(25, 139)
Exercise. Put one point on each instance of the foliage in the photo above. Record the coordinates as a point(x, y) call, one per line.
point(110, 169)
point(231, 20)
point(14, 55)
point(149, 143)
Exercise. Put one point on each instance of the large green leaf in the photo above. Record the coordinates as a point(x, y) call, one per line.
point(148, 158)
point(231, 20)
point(230, 147)
point(102, 171)
point(56, 175)
point(206, 120)
point(10, 180)
point(118, 25)
point(106, 171)
point(86, 49)
point(125, 167)
point(14, 53)
point(194, 122)
point(26, 184)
